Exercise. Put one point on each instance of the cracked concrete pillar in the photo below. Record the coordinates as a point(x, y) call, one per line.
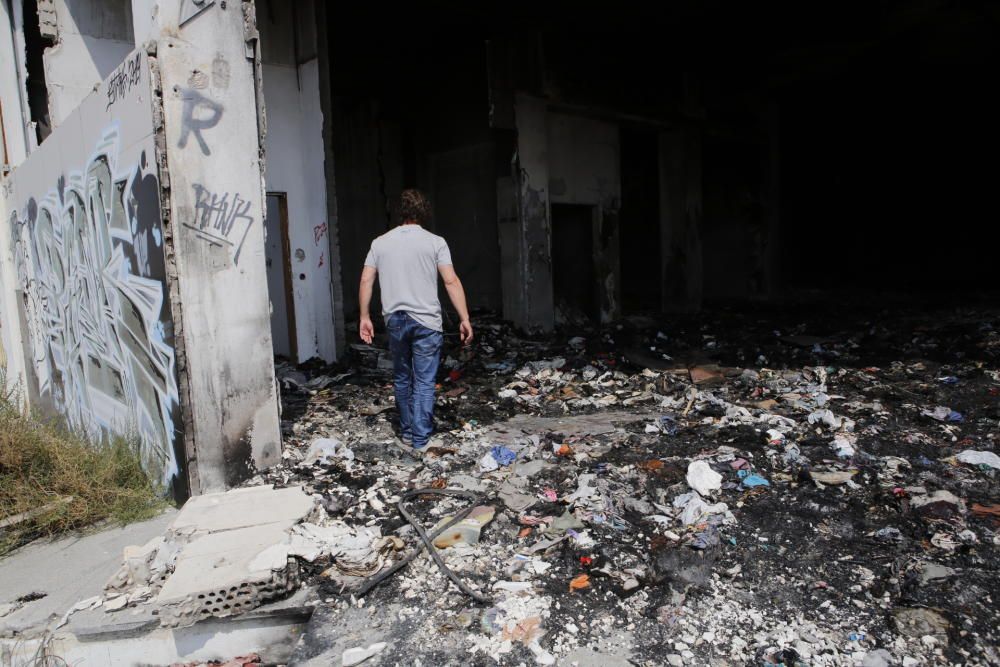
point(534, 237)
point(207, 59)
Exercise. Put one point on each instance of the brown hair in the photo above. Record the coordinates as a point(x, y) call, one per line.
point(414, 207)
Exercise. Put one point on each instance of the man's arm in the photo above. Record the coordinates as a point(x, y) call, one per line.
point(366, 329)
point(457, 295)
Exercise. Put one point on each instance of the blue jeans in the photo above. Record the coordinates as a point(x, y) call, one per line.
point(416, 351)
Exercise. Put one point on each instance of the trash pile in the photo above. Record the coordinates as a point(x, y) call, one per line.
point(725, 489)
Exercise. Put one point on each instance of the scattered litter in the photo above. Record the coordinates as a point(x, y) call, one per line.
point(688, 481)
point(942, 414)
point(832, 477)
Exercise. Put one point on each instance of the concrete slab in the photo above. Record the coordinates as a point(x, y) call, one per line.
point(241, 508)
point(67, 570)
point(220, 561)
point(228, 562)
point(271, 631)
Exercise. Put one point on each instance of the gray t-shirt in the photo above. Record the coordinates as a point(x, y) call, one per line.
point(407, 260)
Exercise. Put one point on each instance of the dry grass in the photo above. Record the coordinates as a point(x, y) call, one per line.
point(53, 480)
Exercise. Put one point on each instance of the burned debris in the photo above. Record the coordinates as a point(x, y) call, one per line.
point(825, 503)
point(697, 425)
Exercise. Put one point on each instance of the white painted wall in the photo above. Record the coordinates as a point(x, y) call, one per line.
point(94, 38)
point(294, 165)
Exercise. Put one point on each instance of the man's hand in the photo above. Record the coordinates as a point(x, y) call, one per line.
point(465, 332)
point(368, 331)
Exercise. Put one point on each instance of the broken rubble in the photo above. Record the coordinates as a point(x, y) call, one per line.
point(672, 571)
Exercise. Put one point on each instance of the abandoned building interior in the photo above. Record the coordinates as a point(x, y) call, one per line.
point(734, 391)
point(586, 164)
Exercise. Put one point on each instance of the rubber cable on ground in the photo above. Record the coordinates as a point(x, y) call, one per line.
point(427, 542)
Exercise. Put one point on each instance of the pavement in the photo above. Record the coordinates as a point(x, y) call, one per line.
point(64, 571)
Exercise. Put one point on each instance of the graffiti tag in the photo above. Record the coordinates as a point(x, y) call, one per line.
point(124, 79)
point(318, 232)
point(221, 221)
point(199, 113)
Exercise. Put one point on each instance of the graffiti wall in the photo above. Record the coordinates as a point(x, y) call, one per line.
point(88, 252)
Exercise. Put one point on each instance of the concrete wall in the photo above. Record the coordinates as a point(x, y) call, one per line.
point(295, 166)
point(583, 161)
point(585, 168)
point(83, 223)
point(93, 37)
point(560, 159)
point(216, 206)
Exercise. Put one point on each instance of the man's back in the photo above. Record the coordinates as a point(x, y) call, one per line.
point(407, 259)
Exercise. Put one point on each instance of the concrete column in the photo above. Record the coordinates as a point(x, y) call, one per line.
point(14, 150)
point(531, 176)
point(16, 65)
point(12, 93)
point(680, 219)
point(333, 232)
point(207, 59)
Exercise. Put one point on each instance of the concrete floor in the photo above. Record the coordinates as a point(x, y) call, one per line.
point(66, 570)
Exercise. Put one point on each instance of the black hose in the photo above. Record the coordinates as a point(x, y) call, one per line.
point(427, 542)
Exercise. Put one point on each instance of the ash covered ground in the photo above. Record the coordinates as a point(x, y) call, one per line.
point(801, 486)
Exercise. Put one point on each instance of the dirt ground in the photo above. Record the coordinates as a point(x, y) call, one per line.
point(845, 455)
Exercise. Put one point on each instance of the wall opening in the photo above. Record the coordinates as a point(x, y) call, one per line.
point(295, 168)
point(574, 275)
point(38, 92)
point(278, 258)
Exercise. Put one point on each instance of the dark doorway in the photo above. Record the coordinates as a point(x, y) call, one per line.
point(639, 220)
point(277, 256)
point(574, 278)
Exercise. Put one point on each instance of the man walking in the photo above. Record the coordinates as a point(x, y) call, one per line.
point(408, 260)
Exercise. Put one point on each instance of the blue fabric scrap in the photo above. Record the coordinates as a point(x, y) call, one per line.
point(502, 455)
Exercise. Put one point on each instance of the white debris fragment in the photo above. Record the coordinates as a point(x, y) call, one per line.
point(703, 479)
point(357, 655)
point(977, 458)
point(843, 444)
point(327, 450)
